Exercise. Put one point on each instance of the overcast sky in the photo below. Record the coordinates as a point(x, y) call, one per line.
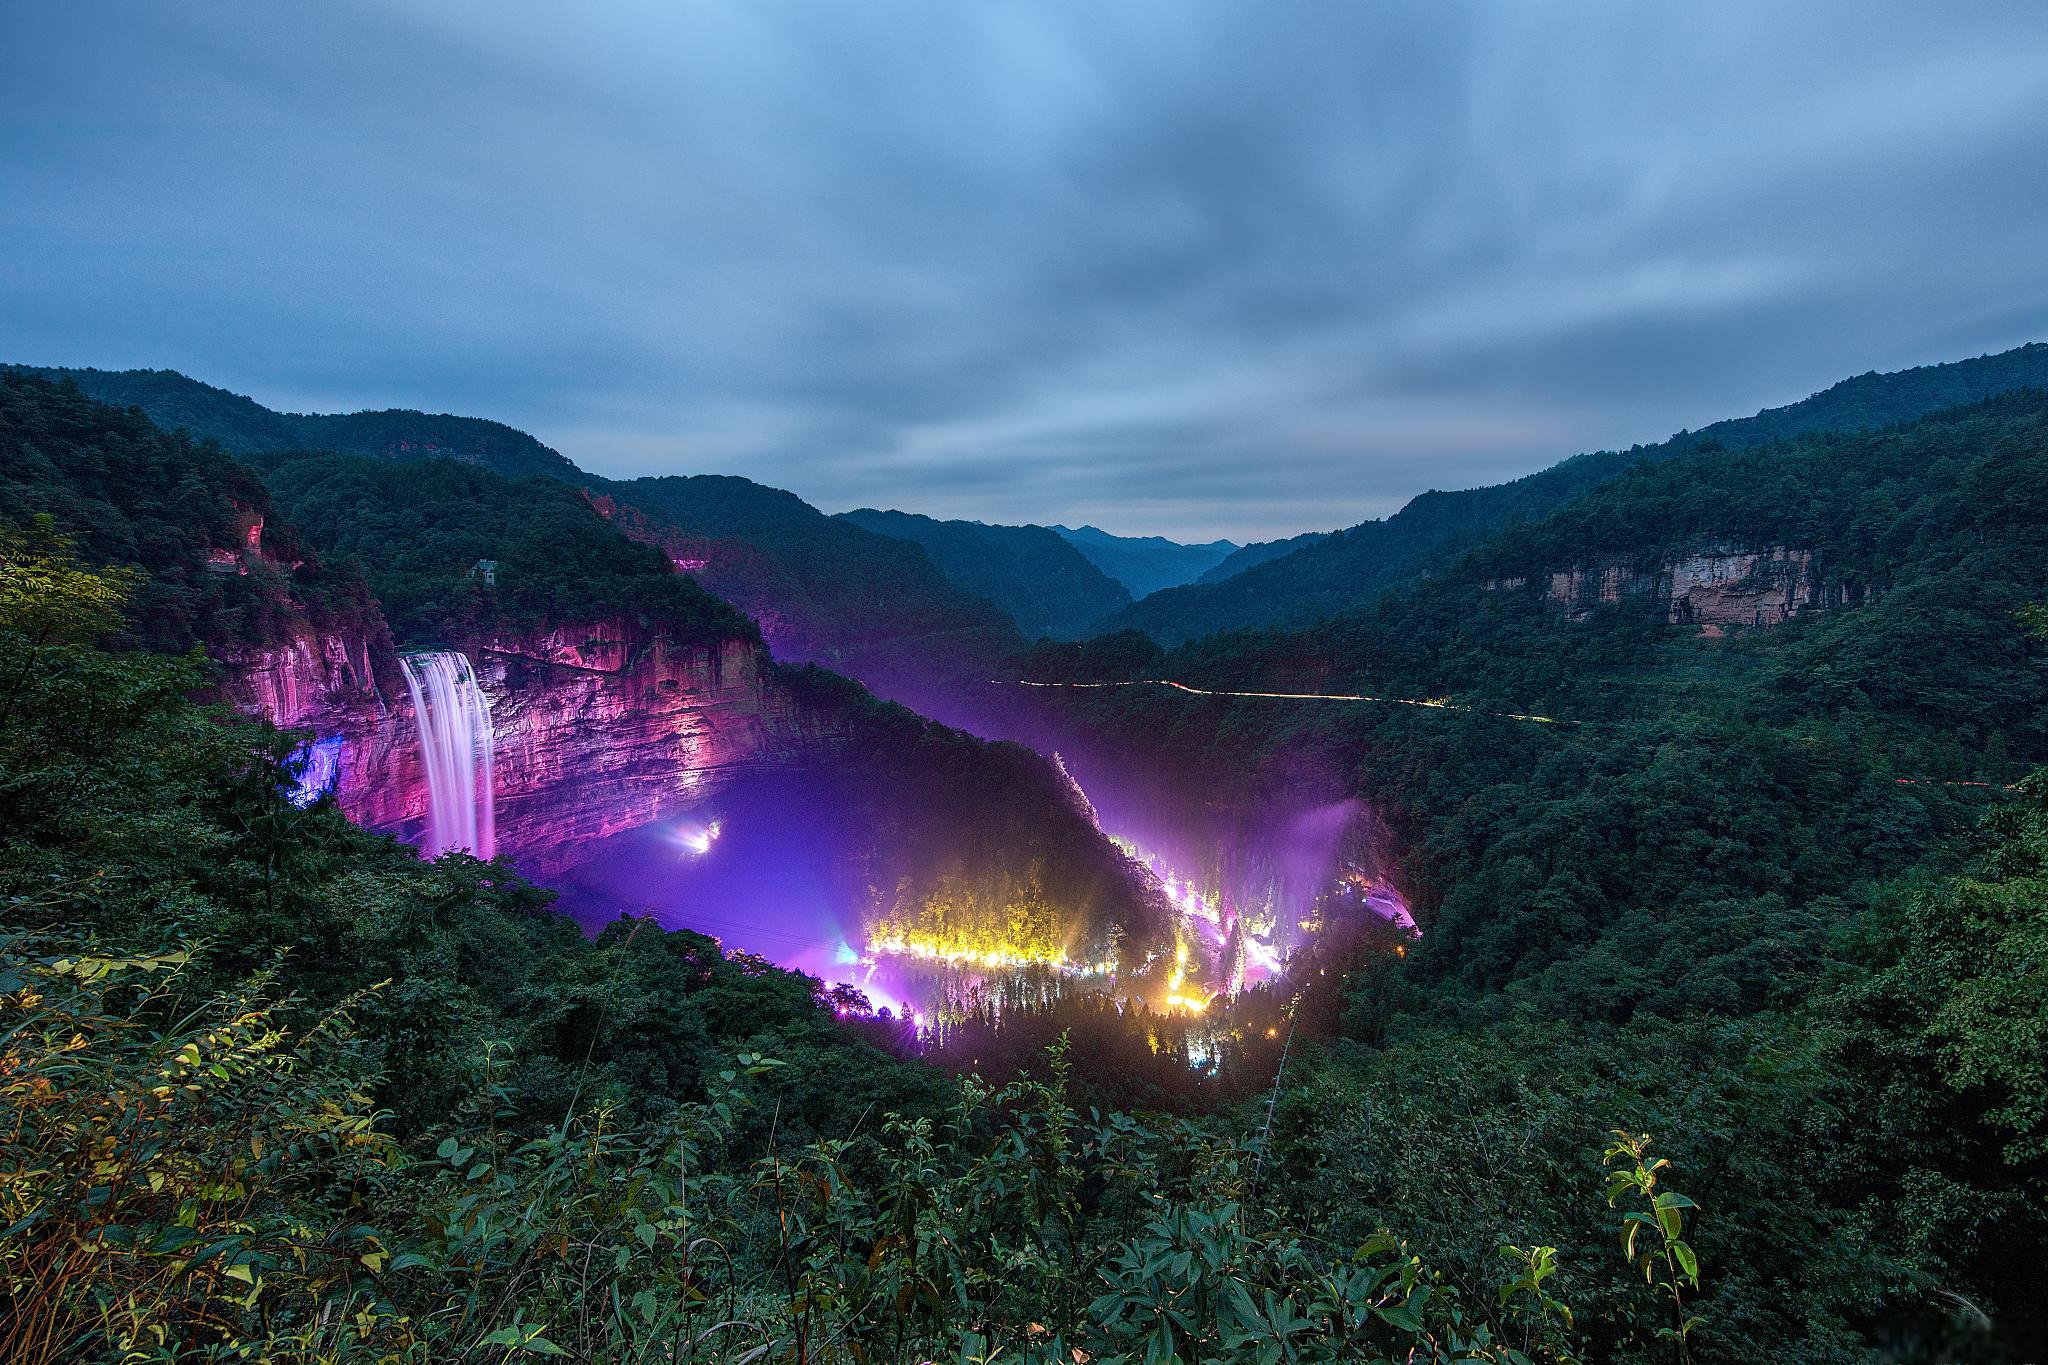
point(1182, 267)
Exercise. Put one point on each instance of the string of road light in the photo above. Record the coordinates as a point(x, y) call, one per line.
point(1430, 704)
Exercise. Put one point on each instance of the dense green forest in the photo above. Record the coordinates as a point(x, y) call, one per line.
point(243, 426)
point(421, 529)
point(277, 1089)
point(1039, 580)
point(161, 503)
point(1712, 897)
point(1350, 569)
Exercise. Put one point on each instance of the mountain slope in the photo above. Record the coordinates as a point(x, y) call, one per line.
point(421, 528)
point(1145, 564)
point(1041, 580)
point(1351, 568)
point(244, 426)
point(824, 591)
point(1251, 556)
point(224, 568)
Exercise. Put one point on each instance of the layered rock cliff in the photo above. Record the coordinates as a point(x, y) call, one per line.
point(596, 728)
point(1716, 588)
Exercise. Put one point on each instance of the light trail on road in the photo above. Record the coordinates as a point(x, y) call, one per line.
point(1432, 704)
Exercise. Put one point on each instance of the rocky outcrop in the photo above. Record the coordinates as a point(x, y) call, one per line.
point(596, 729)
point(1716, 588)
point(1722, 588)
point(609, 733)
point(309, 680)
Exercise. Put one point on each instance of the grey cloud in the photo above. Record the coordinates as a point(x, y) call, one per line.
point(1208, 269)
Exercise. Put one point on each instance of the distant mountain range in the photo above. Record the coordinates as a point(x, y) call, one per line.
point(1044, 583)
point(1352, 568)
point(897, 599)
point(1145, 564)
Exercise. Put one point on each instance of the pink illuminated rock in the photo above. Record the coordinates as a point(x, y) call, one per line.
point(596, 729)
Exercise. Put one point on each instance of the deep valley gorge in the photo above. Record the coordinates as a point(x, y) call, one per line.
point(1023, 684)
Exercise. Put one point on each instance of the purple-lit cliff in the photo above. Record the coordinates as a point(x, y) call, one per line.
point(597, 729)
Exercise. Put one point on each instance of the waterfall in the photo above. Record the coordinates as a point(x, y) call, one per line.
point(455, 748)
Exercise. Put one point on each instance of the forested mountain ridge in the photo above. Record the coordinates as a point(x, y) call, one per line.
point(222, 567)
point(1035, 575)
point(1350, 568)
point(824, 591)
point(1702, 881)
point(423, 528)
point(1145, 564)
point(1261, 552)
point(243, 426)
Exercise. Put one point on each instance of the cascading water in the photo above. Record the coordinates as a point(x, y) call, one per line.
point(455, 747)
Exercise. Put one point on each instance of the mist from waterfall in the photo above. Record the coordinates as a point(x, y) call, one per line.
point(455, 748)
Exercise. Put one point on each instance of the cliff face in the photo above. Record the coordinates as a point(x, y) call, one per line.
point(1717, 588)
point(311, 680)
point(596, 729)
point(605, 733)
point(1720, 589)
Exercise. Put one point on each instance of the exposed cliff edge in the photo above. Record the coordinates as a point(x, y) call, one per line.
point(597, 729)
point(1717, 587)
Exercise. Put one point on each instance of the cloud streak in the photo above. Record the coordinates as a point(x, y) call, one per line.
point(1200, 269)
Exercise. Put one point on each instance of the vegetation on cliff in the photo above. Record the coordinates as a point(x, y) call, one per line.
point(177, 510)
point(456, 553)
point(1774, 898)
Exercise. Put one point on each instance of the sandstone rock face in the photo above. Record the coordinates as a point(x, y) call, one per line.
point(1717, 588)
point(596, 729)
point(1722, 588)
point(304, 681)
point(1580, 590)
